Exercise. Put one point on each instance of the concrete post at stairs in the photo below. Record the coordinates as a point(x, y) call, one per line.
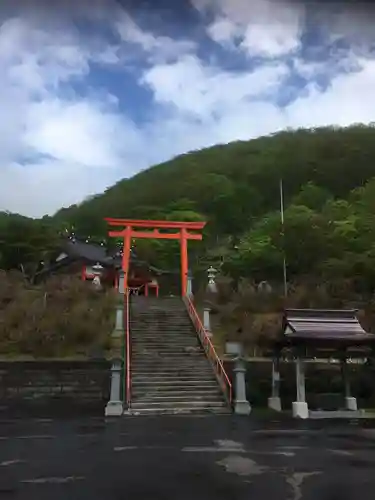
point(299, 407)
point(274, 402)
point(119, 325)
point(189, 286)
point(241, 404)
point(114, 406)
point(350, 402)
point(207, 320)
point(121, 279)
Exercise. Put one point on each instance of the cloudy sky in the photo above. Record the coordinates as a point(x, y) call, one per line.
point(93, 91)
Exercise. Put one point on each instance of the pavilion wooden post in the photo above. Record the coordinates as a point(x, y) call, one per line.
point(350, 401)
point(274, 401)
point(300, 407)
point(184, 261)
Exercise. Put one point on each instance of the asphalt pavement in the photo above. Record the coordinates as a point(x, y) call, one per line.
point(186, 458)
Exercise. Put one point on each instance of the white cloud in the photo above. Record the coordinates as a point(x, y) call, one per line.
point(265, 28)
point(192, 87)
point(58, 146)
point(158, 48)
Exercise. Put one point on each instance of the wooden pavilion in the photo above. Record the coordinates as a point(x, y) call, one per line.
point(307, 333)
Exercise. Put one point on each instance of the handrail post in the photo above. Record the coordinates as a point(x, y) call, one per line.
point(207, 320)
point(241, 404)
point(114, 406)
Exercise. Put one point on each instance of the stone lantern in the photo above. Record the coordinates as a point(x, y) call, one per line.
point(211, 272)
point(97, 271)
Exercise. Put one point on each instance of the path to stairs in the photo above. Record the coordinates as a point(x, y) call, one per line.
point(170, 371)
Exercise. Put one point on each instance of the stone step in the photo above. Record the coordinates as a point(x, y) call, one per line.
point(160, 314)
point(183, 341)
point(168, 357)
point(178, 404)
point(162, 338)
point(154, 332)
point(189, 400)
point(185, 357)
point(175, 370)
point(171, 365)
point(171, 385)
point(169, 338)
point(159, 309)
point(162, 320)
point(186, 348)
point(158, 325)
point(157, 358)
point(140, 350)
point(180, 411)
point(138, 367)
point(171, 377)
point(172, 351)
point(184, 361)
point(161, 329)
point(170, 328)
point(167, 343)
point(141, 394)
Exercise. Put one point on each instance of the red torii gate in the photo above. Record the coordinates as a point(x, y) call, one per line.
point(182, 233)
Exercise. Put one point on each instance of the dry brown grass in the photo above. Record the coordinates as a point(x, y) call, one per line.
point(254, 317)
point(62, 317)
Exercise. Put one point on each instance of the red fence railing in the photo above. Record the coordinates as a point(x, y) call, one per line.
point(210, 351)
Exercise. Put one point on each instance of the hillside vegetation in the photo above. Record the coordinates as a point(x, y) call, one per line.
point(329, 192)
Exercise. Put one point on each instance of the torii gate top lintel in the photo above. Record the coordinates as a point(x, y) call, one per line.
point(155, 224)
point(126, 229)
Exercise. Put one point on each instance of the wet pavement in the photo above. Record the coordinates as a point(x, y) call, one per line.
point(186, 457)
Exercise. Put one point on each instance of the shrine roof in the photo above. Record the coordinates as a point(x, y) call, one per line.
point(92, 253)
point(324, 325)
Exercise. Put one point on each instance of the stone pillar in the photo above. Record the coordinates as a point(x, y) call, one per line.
point(189, 289)
point(121, 278)
point(274, 402)
point(207, 320)
point(119, 325)
point(299, 407)
point(350, 402)
point(114, 406)
point(241, 404)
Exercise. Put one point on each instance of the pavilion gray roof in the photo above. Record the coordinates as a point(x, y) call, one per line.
point(324, 325)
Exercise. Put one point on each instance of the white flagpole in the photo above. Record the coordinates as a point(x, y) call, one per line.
point(283, 234)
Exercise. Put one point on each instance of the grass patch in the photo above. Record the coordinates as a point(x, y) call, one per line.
point(62, 318)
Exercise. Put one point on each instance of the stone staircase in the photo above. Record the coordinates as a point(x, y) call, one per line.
point(170, 371)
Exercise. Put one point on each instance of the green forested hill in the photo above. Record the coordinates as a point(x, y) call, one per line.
point(329, 187)
point(242, 175)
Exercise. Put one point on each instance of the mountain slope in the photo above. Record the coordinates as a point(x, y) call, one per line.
point(241, 175)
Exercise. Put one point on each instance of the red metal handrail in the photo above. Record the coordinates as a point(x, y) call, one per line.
point(127, 343)
point(210, 351)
